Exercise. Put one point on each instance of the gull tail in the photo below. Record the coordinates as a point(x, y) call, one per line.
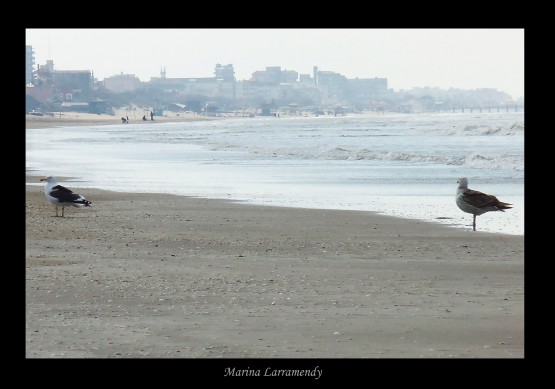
point(83, 203)
point(501, 206)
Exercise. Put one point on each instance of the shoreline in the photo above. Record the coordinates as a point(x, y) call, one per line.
point(31, 178)
point(160, 275)
point(67, 119)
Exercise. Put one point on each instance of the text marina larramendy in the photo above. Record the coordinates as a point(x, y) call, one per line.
point(270, 372)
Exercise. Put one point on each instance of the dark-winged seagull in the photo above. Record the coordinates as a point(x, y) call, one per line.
point(62, 196)
point(477, 203)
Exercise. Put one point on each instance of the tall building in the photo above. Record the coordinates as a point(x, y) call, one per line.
point(49, 66)
point(315, 74)
point(29, 63)
point(334, 84)
point(224, 72)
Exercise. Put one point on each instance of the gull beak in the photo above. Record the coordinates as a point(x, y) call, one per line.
point(43, 179)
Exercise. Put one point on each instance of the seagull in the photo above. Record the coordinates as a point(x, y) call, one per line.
point(477, 203)
point(62, 196)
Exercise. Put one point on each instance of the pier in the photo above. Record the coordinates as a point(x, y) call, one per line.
point(472, 109)
point(408, 108)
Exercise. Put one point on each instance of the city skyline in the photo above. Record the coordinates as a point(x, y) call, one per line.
point(408, 58)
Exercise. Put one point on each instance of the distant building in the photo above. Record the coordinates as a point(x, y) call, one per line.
point(315, 74)
point(304, 94)
point(41, 87)
point(210, 87)
point(224, 72)
point(289, 76)
point(362, 90)
point(334, 86)
point(122, 83)
point(72, 79)
point(49, 66)
point(41, 93)
point(274, 75)
point(258, 91)
point(306, 79)
point(166, 84)
point(29, 63)
point(59, 85)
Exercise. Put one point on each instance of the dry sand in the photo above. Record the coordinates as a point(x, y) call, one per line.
point(150, 275)
point(89, 119)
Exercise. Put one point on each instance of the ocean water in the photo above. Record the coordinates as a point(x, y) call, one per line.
point(403, 165)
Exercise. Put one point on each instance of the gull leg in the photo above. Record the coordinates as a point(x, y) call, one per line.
point(56, 211)
point(473, 222)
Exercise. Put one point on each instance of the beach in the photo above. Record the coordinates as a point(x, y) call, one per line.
point(146, 275)
point(164, 276)
point(64, 119)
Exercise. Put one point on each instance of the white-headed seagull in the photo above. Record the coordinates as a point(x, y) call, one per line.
point(59, 195)
point(477, 203)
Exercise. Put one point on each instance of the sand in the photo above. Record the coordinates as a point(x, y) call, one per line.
point(89, 119)
point(162, 276)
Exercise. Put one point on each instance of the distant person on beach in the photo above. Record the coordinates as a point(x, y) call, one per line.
point(127, 118)
point(144, 117)
point(151, 115)
point(123, 120)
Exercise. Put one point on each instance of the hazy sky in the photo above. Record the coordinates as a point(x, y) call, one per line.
point(459, 58)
